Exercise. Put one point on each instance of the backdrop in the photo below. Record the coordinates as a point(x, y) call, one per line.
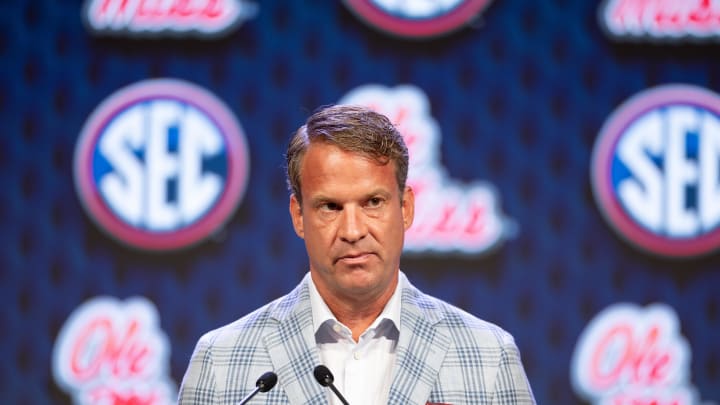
point(515, 102)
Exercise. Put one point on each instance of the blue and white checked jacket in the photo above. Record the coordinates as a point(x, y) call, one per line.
point(444, 355)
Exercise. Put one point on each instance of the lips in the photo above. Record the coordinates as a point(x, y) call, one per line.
point(355, 257)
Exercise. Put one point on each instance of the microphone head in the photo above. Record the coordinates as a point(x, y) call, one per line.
point(323, 375)
point(266, 381)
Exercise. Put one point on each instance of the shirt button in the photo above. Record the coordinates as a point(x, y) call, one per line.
point(356, 355)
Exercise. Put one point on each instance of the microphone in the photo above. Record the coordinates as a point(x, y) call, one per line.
point(325, 378)
point(264, 384)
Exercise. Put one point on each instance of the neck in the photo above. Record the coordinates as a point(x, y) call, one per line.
point(357, 312)
point(356, 317)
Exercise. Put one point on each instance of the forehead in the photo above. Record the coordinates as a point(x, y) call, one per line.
point(327, 167)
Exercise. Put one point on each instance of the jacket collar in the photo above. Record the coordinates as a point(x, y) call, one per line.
point(292, 349)
point(421, 348)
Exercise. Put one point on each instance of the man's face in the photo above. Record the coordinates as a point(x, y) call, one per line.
point(353, 220)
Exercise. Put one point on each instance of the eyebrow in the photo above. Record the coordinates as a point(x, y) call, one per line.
point(324, 198)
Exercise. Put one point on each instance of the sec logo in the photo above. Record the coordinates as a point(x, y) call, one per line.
point(417, 18)
point(161, 164)
point(656, 170)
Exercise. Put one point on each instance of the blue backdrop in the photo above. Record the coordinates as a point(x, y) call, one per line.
point(519, 97)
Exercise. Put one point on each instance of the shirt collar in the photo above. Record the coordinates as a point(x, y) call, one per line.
point(321, 313)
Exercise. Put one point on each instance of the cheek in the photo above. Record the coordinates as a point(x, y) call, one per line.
point(388, 228)
point(318, 235)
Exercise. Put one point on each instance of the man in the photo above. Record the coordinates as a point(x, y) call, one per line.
point(355, 312)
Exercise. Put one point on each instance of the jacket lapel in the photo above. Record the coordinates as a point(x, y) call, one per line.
point(292, 348)
point(421, 349)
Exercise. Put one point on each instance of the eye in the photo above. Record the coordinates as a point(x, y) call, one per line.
point(375, 202)
point(329, 206)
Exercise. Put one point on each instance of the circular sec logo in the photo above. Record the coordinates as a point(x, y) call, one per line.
point(417, 18)
point(161, 164)
point(656, 171)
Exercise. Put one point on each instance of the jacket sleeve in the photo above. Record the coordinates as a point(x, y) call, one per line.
point(511, 383)
point(199, 383)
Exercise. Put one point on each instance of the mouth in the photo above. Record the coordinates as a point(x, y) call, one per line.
point(354, 258)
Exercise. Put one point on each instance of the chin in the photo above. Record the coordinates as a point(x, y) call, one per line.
point(358, 277)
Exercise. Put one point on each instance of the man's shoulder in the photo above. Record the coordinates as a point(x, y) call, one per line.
point(228, 335)
point(459, 322)
point(248, 328)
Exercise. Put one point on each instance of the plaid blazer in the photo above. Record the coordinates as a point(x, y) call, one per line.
point(444, 355)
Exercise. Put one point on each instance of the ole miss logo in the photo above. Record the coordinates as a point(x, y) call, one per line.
point(113, 352)
point(661, 20)
point(417, 19)
point(656, 170)
point(631, 355)
point(199, 18)
point(161, 164)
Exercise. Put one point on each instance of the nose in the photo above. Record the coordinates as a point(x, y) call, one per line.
point(352, 225)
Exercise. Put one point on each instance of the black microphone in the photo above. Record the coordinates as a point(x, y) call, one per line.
point(325, 378)
point(264, 384)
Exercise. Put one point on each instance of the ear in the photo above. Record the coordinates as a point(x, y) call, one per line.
point(408, 207)
point(296, 215)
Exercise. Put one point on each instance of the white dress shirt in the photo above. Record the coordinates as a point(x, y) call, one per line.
point(362, 370)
